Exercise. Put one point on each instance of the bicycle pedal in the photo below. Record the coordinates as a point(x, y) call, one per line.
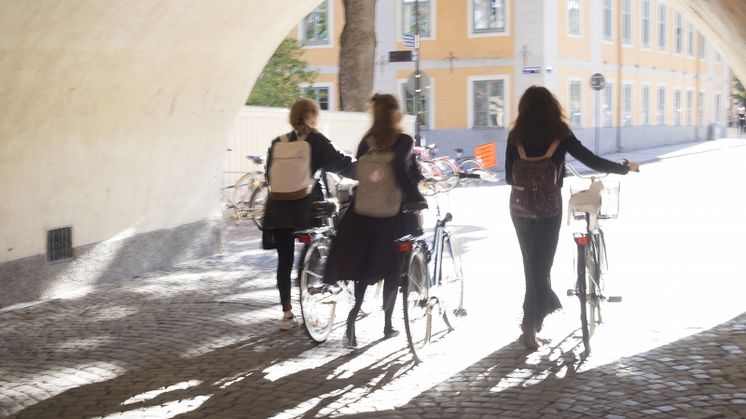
point(615, 299)
point(570, 293)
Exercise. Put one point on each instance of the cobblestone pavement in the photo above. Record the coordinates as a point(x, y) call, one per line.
point(201, 340)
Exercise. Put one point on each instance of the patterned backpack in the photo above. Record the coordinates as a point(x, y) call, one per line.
point(535, 192)
point(378, 194)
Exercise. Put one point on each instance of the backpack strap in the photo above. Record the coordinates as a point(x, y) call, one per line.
point(549, 153)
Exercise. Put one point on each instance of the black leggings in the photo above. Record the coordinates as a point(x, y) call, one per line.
point(538, 240)
point(390, 289)
point(285, 242)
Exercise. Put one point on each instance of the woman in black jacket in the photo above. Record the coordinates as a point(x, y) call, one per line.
point(363, 249)
point(540, 123)
point(286, 213)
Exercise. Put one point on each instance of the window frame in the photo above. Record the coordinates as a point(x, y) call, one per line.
point(607, 6)
point(570, 82)
point(660, 112)
point(645, 104)
point(402, 83)
point(609, 87)
point(329, 86)
point(690, 39)
point(678, 33)
point(689, 107)
point(626, 21)
point(627, 87)
point(580, 19)
point(329, 43)
point(472, 33)
point(645, 23)
point(677, 110)
point(662, 26)
point(471, 108)
point(400, 19)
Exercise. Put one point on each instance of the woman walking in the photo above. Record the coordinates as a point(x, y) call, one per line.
point(292, 160)
point(535, 155)
point(363, 249)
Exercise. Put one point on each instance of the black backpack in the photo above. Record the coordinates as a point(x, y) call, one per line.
point(535, 192)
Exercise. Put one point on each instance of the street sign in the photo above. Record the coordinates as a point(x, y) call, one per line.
point(597, 81)
point(400, 56)
point(424, 82)
point(531, 70)
point(410, 40)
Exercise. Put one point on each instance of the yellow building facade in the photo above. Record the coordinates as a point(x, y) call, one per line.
point(664, 83)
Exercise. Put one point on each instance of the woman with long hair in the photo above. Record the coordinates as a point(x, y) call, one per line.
point(541, 130)
point(287, 212)
point(363, 249)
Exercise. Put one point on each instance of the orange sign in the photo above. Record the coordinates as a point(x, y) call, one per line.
point(487, 153)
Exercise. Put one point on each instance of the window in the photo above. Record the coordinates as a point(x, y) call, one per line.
point(679, 41)
point(627, 96)
point(645, 105)
point(677, 107)
point(409, 17)
point(488, 16)
point(690, 39)
point(423, 109)
point(689, 106)
point(315, 26)
point(607, 104)
point(627, 21)
point(574, 17)
point(608, 16)
point(489, 103)
point(575, 103)
point(318, 93)
point(662, 27)
point(702, 47)
point(701, 110)
point(645, 24)
point(717, 107)
point(718, 57)
point(661, 116)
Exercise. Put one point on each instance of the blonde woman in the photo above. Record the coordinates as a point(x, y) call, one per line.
point(290, 210)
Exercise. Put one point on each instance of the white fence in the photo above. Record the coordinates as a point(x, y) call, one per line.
point(256, 127)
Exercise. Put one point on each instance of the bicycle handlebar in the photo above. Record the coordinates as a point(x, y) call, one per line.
point(596, 175)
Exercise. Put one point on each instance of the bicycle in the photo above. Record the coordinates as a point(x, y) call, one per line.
point(468, 164)
point(318, 302)
point(431, 279)
point(598, 202)
point(441, 170)
point(250, 193)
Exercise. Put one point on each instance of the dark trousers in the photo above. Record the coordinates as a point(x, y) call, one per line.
point(285, 242)
point(538, 240)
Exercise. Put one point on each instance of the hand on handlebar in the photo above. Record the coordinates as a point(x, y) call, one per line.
point(633, 165)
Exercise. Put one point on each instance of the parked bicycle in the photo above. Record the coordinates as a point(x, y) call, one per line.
point(432, 280)
point(248, 196)
point(600, 201)
point(442, 171)
point(319, 302)
point(468, 164)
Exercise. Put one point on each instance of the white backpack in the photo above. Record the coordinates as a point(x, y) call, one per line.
point(378, 194)
point(290, 170)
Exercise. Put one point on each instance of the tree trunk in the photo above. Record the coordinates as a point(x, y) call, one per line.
point(357, 55)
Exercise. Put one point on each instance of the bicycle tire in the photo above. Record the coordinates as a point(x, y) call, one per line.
point(416, 302)
point(242, 191)
point(451, 281)
point(469, 166)
point(317, 309)
point(257, 203)
point(581, 292)
point(428, 171)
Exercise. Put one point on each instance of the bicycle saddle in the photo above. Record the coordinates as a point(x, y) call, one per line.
point(323, 209)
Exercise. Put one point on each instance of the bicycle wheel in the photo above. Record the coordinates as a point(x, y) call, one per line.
point(450, 174)
point(430, 172)
point(257, 203)
point(242, 191)
point(416, 302)
point(593, 279)
point(451, 283)
point(581, 292)
point(318, 309)
point(469, 166)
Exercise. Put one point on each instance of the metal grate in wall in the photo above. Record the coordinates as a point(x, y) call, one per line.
point(59, 244)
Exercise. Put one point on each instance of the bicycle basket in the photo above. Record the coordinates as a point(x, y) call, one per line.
point(609, 200)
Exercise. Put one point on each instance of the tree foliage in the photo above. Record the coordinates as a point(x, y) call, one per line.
point(740, 94)
point(279, 83)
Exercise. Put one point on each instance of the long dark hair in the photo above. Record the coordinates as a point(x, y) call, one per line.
point(540, 119)
point(385, 128)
